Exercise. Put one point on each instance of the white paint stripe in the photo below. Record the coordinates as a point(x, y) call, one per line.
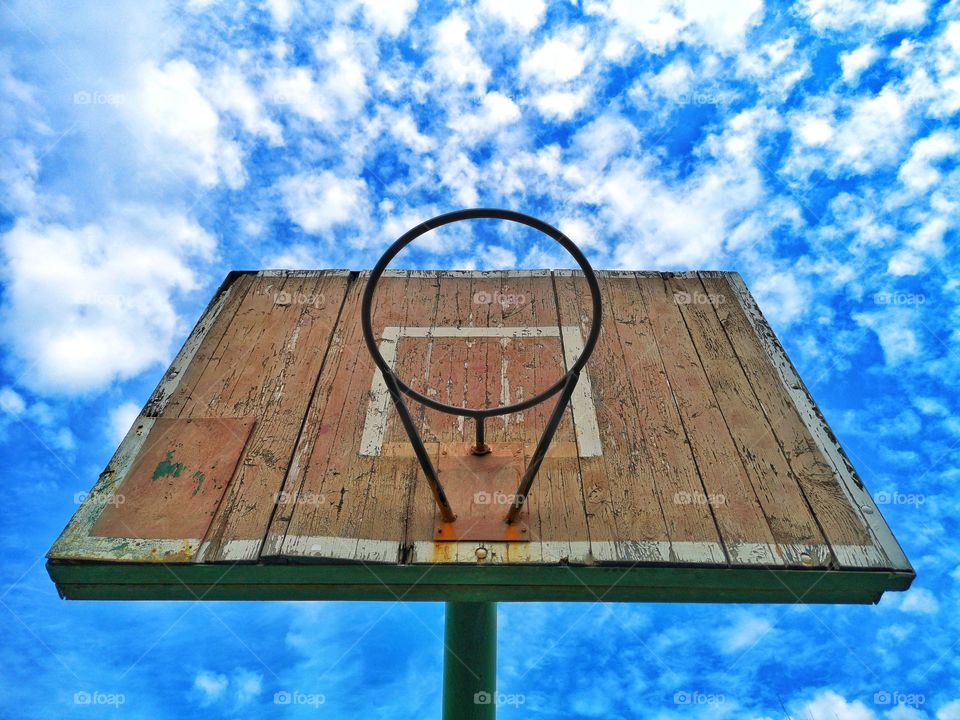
point(584, 412)
point(378, 405)
point(452, 331)
point(237, 550)
point(375, 424)
point(342, 548)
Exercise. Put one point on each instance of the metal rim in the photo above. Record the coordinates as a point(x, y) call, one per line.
point(472, 214)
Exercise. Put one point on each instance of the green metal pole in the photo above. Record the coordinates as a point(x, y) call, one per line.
point(470, 661)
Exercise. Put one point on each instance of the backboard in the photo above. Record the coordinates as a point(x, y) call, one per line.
point(692, 464)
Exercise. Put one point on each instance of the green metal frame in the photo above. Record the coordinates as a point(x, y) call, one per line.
point(468, 583)
point(470, 661)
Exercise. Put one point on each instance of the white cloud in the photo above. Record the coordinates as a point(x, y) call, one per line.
point(950, 711)
point(828, 704)
point(296, 88)
point(211, 686)
point(674, 79)
point(230, 92)
point(723, 25)
point(526, 15)
point(403, 126)
point(337, 92)
point(319, 201)
point(561, 105)
point(894, 331)
point(853, 63)
point(281, 11)
point(88, 305)
point(658, 24)
point(460, 175)
point(670, 224)
point(389, 16)
point(918, 172)
point(921, 601)
point(782, 297)
point(925, 243)
point(496, 111)
point(11, 402)
point(748, 631)
point(248, 686)
point(121, 420)
point(874, 133)
point(882, 15)
point(558, 59)
point(180, 127)
point(654, 24)
point(454, 57)
point(815, 131)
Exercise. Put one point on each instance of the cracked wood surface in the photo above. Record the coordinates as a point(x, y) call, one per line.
point(694, 442)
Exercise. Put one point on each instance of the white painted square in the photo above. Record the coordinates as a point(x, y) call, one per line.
point(584, 411)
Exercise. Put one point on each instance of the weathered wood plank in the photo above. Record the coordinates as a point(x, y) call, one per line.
point(688, 514)
point(793, 525)
point(862, 504)
point(744, 530)
point(268, 368)
point(329, 513)
point(627, 503)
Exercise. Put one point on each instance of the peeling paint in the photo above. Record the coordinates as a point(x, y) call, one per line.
point(199, 477)
point(167, 467)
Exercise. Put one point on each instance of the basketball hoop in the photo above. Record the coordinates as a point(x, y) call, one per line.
point(564, 386)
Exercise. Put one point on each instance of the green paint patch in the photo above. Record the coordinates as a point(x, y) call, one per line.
point(118, 548)
point(167, 468)
point(198, 476)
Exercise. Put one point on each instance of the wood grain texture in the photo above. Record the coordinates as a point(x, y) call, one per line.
point(797, 535)
point(693, 441)
point(744, 530)
point(882, 550)
point(267, 367)
point(339, 505)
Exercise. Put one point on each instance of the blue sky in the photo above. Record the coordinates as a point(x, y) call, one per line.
point(146, 149)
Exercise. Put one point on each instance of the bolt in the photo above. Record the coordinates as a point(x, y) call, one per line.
point(481, 553)
point(806, 559)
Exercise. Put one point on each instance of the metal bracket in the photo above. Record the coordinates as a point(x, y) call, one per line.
point(480, 450)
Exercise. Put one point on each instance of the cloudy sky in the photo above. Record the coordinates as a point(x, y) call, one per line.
point(146, 149)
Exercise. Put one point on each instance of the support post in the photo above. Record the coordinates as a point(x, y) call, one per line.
point(470, 661)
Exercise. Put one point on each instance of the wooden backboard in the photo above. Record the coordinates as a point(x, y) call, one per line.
point(692, 464)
